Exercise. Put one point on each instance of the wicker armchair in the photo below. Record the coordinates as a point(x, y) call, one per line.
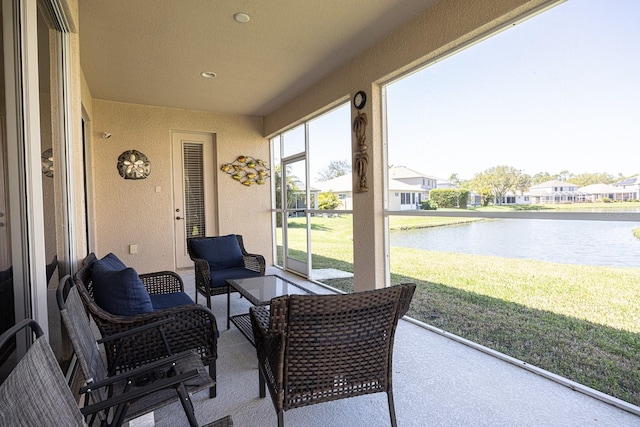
point(193, 326)
point(211, 280)
point(318, 348)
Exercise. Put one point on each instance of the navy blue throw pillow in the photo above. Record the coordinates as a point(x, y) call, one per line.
point(219, 252)
point(119, 291)
point(110, 262)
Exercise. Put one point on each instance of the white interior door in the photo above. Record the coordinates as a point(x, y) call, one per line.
point(194, 190)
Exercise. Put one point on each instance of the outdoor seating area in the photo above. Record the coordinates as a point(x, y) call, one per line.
point(436, 382)
point(318, 172)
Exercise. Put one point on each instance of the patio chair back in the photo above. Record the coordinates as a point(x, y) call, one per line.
point(319, 348)
point(78, 327)
point(36, 393)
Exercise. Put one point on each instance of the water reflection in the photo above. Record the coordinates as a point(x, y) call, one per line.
point(603, 243)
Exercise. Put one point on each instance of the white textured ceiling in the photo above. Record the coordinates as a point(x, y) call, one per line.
point(153, 51)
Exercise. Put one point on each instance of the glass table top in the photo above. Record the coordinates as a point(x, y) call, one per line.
point(260, 290)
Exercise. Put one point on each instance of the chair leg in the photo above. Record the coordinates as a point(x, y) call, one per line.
point(228, 306)
point(261, 385)
point(392, 408)
point(209, 300)
point(213, 390)
point(187, 405)
point(281, 419)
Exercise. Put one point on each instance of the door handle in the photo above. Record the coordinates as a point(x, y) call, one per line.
point(179, 217)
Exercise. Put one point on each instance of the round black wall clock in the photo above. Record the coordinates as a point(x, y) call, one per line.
point(359, 100)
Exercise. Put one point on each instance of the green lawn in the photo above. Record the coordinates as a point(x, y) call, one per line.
point(581, 322)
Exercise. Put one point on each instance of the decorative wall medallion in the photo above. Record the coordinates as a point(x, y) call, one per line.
point(361, 155)
point(247, 170)
point(47, 163)
point(133, 164)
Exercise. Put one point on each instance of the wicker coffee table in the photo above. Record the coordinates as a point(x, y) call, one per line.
point(258, 291)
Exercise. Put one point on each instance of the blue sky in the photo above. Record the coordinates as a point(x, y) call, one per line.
point(559, 91)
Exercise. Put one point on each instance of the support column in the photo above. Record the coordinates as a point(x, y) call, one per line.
point(368, 206)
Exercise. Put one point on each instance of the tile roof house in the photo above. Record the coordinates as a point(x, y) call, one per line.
point(402, 196)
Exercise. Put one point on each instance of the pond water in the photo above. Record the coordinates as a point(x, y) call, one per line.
point(604, 243)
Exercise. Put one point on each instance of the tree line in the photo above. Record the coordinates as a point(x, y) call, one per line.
point(496, 182)
point(491, 184)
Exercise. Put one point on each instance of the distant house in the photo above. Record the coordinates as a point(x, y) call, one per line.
point(596, 192)
point(512, 198)
point(298, 201)
point(402, 196)
point(631, 186)
point(443, 183)
point(555, 191)
point(341, 186)
point(411, 177)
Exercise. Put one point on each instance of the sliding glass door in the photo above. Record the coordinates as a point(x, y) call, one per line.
point(313, 198)
point(295, 228)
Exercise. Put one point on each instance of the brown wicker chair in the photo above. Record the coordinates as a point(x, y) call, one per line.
point(211, 281)
point(193, 326)
point(318, 348)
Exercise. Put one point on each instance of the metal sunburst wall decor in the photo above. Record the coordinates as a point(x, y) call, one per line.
point(133, 164)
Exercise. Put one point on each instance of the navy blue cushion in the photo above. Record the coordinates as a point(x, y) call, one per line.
point(110, 262)
point(161, 301)
point(120, 292)
point(219, 277)
point(219, 252)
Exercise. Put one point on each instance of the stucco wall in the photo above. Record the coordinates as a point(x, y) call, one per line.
point(132, 212)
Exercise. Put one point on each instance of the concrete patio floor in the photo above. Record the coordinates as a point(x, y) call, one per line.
point(437, 382)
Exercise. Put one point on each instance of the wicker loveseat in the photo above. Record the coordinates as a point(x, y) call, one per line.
point(192, 326)
point(318, 348)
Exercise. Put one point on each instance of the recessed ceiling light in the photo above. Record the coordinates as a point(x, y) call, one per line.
point(242, 18)
point(208, 74)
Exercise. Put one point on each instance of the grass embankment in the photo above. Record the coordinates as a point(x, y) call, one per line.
point(581, 322)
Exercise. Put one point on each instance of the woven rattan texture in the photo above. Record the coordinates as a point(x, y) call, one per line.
point(192, 327)
point(318, 348)
point(162, 282)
